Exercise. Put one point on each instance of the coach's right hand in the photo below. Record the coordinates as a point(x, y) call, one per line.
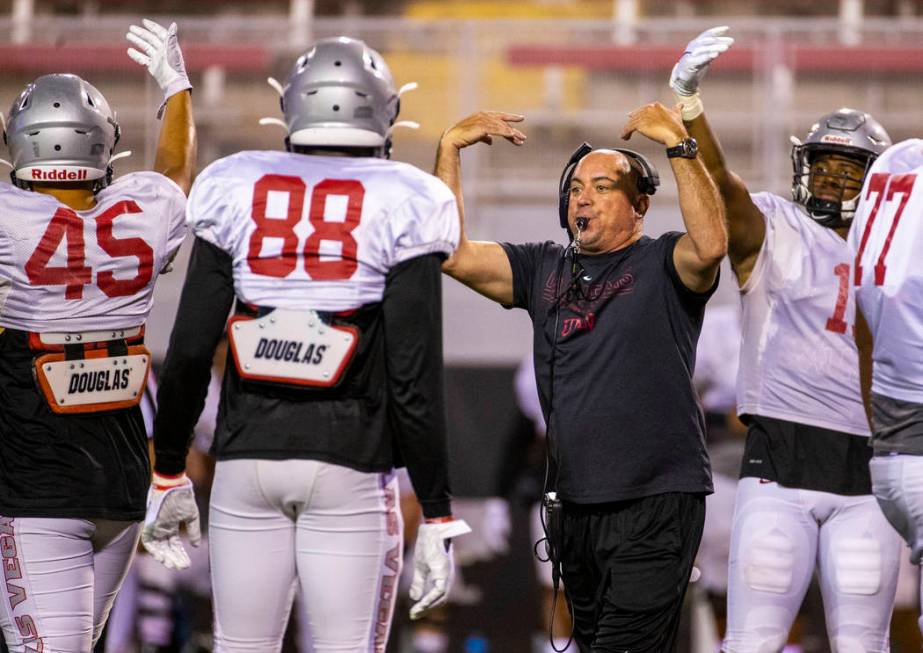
point(481, 127)
point(170, 502)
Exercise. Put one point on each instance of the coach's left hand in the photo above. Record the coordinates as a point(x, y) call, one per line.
point(659, 123)
point(433, 567)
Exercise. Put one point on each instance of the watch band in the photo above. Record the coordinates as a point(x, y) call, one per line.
point(687, 148)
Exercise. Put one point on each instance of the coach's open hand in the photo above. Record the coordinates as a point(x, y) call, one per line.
point(658, 122)
point(481, 127)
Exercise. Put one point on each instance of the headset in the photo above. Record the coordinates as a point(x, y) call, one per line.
point(648, 178)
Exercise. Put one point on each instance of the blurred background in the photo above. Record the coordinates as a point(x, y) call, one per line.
point(574, 68)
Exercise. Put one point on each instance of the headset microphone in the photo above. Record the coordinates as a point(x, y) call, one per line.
point(580, 223)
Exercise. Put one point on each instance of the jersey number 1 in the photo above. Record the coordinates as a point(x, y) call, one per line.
point(75, 274)
point(318, 265)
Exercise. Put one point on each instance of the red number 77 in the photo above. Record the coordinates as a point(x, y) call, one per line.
point(886, 186)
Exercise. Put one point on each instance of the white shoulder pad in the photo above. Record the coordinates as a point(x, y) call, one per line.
point(145, 181)
point(209, 210)
point(426, 222)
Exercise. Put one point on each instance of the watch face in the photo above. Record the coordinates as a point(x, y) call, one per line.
point(690, 148)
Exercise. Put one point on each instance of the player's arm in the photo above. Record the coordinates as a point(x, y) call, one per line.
point(158, 50)
point(206, 300)
point(412, 311)
point(746, 228)
point(482, 266)
point(699, 251)
point(864, 344)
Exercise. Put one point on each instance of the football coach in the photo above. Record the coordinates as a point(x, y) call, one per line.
point(616, 316)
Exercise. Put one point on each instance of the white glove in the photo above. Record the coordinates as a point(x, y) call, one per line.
point(700, 52)
point(170, 502)
point(159, 51)
point(432, 564)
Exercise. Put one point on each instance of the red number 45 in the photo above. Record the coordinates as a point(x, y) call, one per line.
point(66, 225)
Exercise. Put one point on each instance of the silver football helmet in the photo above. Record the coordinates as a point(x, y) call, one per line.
point(847, 132)
point(340, 94)
point(61, 128)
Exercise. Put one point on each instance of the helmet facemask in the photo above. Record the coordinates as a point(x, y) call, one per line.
point(839, 210)
point(848, 133)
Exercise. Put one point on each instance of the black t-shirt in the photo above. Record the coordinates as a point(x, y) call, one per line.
point(87, 466)
point(619, 340)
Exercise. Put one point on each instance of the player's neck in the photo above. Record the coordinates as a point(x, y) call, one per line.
point(842, 232)
point(76, 197)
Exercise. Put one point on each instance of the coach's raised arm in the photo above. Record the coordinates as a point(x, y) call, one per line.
point(616, 316)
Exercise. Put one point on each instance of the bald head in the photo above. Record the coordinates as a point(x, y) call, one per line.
point(604, 196)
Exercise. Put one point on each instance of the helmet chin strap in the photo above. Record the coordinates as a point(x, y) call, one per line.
point(120, 155)
point(406, 88)
point(274, 121)
point(272, 81)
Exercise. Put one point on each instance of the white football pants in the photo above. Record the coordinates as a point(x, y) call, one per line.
point(779, 536)
point(897, 482)
point(62, 576)
point(332, 530)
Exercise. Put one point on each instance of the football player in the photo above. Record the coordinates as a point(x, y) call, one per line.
point(888, 278)
point(79, 255)
point(804, 499)
point(329, 254)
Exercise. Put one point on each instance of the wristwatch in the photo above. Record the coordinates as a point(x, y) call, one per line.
point(686, 148)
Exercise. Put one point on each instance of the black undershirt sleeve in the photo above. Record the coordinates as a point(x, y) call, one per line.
point(208, 294)
point(412, 307)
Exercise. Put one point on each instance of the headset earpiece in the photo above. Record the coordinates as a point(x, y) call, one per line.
point(564, 184)
point(648, 178)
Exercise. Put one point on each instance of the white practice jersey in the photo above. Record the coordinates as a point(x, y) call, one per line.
point(318, 232)
point(798, 357)
point(717, 358)
point(67, 270)
point(887, 236)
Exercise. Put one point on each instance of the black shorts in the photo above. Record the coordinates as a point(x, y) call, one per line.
point(626, 568)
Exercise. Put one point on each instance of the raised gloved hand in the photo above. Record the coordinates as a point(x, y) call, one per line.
point(170, 502)
point(158, 50)
point(432, 564)
point(691, 68)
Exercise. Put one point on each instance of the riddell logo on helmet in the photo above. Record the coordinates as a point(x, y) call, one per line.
point(58, 174)
point(839, 140)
